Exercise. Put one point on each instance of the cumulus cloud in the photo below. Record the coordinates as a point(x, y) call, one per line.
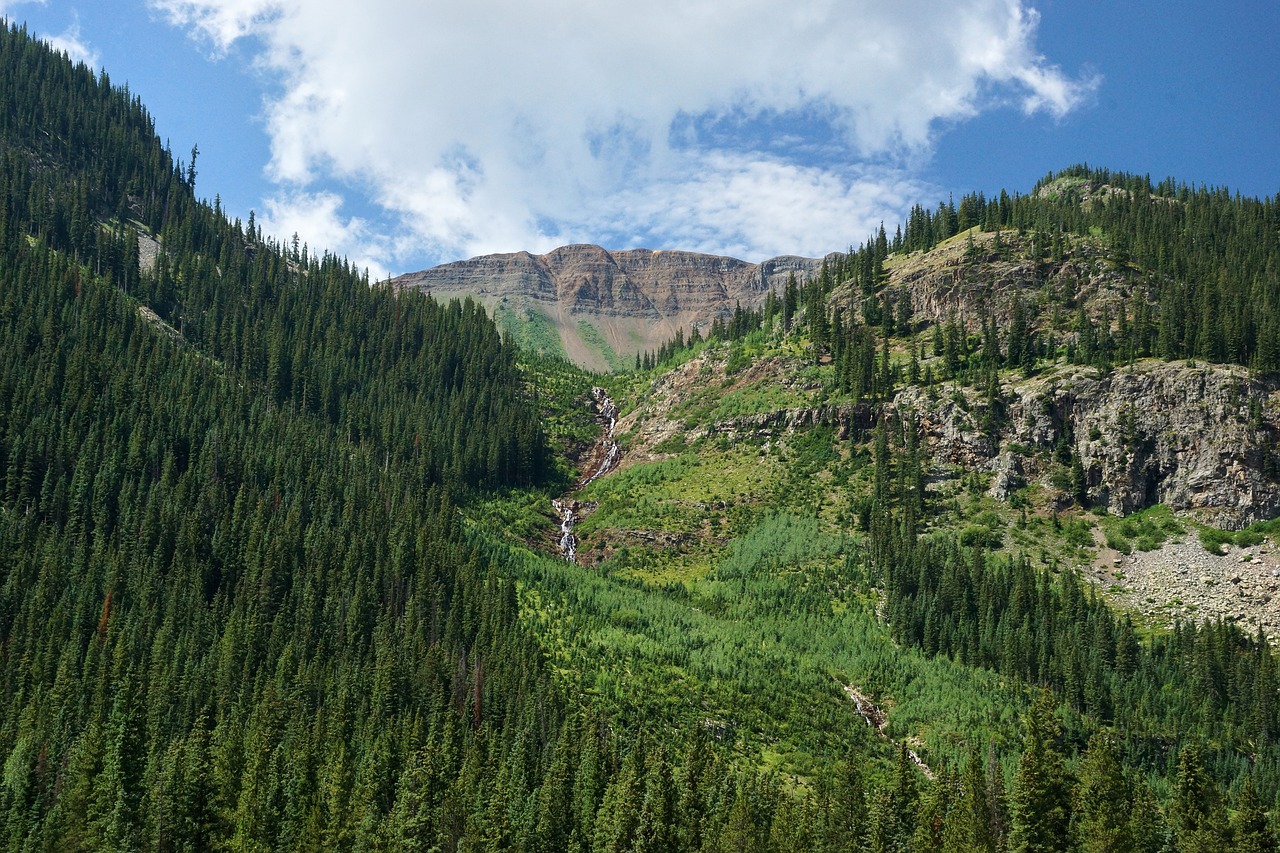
point(749, 206)
point(505, 124)
point(70, 43)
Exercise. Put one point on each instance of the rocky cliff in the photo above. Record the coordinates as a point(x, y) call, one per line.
point(976, 274)
point(603, 306)
point(1197, 438)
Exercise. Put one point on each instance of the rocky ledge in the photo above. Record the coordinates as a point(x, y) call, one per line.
point(1203, 439)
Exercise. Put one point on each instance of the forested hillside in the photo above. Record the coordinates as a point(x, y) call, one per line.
point(236, 605)
point(271, 575)
point(924, 439)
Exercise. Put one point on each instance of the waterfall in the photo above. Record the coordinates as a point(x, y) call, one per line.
point(606, 448)
point(568, 542)
point(603, 459)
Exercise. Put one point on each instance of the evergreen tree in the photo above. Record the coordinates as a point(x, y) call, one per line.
point(1102, 802)
point(1040, 806)
point(1197, 814)
point(1249, 827)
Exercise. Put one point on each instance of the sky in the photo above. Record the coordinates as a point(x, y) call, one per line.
point(407, 133)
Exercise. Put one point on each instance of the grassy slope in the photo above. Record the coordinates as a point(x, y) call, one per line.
point(532, 329)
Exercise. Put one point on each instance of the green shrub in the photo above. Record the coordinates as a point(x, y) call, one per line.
point(1213, 539)
point(738, 360)
point(1078, 532)
point(977, 534)
point(1248, 537)
point(1148, 543)
point(1116, 540)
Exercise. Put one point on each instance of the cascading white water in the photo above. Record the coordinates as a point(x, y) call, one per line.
point(568, 542)
point(608, 410)
point(605, 458)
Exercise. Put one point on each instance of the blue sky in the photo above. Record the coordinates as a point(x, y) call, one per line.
point(404, 134)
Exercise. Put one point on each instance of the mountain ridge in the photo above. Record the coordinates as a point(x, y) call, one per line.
point(635, 300)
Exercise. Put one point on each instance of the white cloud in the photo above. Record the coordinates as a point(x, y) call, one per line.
point(70, 43)
point(752, 207)
point(506, 124)
point(221, 21)
point(316, 220)
point(7, 5)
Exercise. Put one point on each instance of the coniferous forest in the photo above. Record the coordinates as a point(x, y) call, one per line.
point(248, 600)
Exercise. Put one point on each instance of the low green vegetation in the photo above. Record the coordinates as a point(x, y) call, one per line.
point(1145, 530)
point(763, 647)
point(596, 343)
point(1215, 539)
point(531, 329)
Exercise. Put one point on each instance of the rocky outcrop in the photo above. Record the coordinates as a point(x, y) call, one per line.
point(968, 277)
point(1197, 438)
point(635, 283)
point(1193, 438)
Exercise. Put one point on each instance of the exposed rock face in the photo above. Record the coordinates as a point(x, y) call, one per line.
point(1194, 438)
point(965, 278)
point(636, 299)
point(637, 282)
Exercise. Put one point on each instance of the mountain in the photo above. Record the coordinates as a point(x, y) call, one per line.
point(229, 490)
point(600, 308)
point(964, 541)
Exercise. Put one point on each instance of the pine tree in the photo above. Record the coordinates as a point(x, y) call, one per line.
point(847, 809)
point(1197, 814)
point(1249, 828)
point(1040, 806)
point(1102, 801)
point(1147, 829)
point(656, 831)
point(930, 835)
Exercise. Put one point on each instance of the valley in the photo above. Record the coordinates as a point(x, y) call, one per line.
point(962, 539)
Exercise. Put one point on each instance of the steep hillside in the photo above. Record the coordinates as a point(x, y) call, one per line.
point(772, 548)
point(600, 308)
point(233, 578)
point(1013, 445)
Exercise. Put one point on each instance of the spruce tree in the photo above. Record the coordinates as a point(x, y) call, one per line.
point(1102, 801)
point(1197, 813)
point(1249, 828)
point(1040, 806)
